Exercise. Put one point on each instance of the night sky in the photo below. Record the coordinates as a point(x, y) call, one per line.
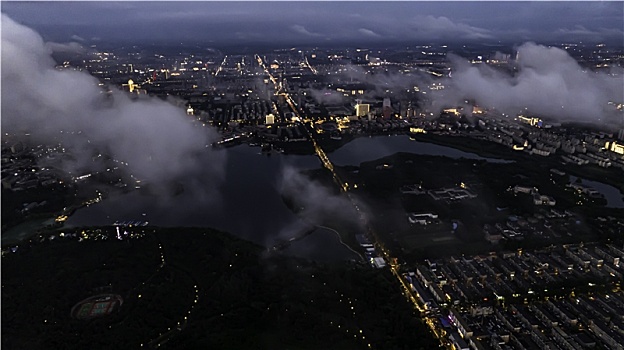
point(318, 23)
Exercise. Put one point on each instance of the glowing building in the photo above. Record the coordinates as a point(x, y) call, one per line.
point(131, 85)
point(613, 146)
point(361, 110)
point(537, 122)
point(270, 119)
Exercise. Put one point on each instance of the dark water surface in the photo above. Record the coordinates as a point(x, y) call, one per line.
point(248, 202)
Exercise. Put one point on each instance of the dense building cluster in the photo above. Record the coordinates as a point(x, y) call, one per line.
point(565, 297)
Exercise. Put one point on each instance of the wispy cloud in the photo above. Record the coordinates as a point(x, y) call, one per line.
point(299, 29)
point(443, 28)
point(369, 33)
point(584, 33)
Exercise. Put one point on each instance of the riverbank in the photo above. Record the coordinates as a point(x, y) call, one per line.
point(484, 148)
point(468, 144)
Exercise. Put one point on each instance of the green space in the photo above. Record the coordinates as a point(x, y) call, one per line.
point(378, 186)
point(246, 297)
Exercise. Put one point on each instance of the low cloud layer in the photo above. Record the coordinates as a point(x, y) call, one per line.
point(156, 138)
point(543, 81)
point(326, 96)
point(547, 81)
point(315, 201)
point(381, 82)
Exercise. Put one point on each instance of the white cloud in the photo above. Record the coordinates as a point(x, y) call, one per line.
point(154, 137)
point(582, 33)
point(548, 81)
point(65, 47)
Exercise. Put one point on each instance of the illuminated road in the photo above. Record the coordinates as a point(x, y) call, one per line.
point(221, 66)
point(310, 66)
point(266, 70)
point(165, 335)
point(344, 187)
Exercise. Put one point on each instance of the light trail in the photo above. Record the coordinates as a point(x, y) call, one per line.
point(221, 65)
point(310, 66)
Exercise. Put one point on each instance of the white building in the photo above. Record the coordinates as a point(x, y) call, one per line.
point(361, 110)
point(270, 119)
point(378, 262)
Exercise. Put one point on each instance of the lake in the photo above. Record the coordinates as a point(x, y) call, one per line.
point(365, 149)
point(247, 202)
point(614, 197)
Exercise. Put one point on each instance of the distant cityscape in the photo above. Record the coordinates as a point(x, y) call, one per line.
point(268, 99)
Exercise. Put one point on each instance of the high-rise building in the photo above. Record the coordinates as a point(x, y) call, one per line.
point(387, 108)
point(361, 110)
point(410, 110)
point(131, 85)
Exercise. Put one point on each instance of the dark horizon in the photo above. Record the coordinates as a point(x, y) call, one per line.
point(226, 24)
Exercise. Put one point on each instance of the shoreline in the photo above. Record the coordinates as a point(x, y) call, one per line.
point(473, 146)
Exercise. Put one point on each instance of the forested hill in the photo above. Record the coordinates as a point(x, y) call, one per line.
point(186, 288)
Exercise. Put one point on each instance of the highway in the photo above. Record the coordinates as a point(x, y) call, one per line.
point(344, 187)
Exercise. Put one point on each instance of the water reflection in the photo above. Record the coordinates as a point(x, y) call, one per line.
point(614, 197)
point(366, 149)
point(248, 202)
